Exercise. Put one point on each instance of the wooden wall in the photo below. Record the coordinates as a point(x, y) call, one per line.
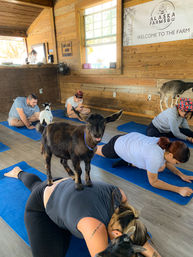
point(145, 67)
point(42, 31)
point(29, 79)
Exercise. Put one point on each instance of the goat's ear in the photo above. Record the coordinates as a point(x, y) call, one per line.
point(43, 105)
point(113, 117)
point(138, 249)
point(80, 117)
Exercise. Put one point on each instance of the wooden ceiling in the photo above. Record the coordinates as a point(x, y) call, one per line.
point(17, 15)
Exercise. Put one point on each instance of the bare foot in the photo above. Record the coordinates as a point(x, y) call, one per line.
point(13, 173)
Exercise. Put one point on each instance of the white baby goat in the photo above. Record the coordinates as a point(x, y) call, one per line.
point(46, 116)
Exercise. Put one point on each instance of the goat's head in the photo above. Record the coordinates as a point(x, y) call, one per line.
point(47, 106)
point(122, 246)
point(95, 124)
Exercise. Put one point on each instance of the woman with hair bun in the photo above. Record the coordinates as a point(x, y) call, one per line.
point(151, 154)
point(75, 101)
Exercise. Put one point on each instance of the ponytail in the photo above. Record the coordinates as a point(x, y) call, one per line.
point(164, 143)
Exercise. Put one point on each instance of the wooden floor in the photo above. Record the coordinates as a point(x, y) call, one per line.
point(170, 224)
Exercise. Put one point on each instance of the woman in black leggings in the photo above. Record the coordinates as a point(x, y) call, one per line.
point(54, 213)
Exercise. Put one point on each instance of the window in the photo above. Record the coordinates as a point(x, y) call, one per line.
point(100, 36)
point(12, 50)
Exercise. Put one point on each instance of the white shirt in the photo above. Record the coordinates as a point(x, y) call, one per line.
point(71, 101)
point(141, 151)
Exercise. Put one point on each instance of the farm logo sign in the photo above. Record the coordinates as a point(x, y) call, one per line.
point(163, 15)
point(158, 21)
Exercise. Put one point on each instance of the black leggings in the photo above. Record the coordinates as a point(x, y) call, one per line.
point(46, 238)
point(152, 131)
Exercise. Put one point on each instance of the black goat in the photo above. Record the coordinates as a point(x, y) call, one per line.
point(75, 142)
point(122, 246)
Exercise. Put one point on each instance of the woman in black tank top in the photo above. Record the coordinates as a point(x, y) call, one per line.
point(99, 213)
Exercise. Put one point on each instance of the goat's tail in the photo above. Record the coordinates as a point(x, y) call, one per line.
point(40, 127)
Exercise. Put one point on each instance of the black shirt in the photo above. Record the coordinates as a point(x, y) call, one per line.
point(67, 206)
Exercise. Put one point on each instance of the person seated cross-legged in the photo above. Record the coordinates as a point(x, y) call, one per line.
point(24, 111)
point(76, 102)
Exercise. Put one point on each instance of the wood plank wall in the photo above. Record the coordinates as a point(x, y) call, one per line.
point(145, 68)
point(42, 31)
point(23, 81)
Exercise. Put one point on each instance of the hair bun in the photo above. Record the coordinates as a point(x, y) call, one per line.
point(164, 143)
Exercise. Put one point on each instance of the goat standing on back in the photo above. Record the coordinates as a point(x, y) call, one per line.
point(75, 142)
point(46, 116)
point(173, 88)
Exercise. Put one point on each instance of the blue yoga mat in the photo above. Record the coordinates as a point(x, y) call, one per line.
point(30, 133)
point(60, 114)
point(139, 177)
point(3, 147)
point(13, 197)
point(141, 128)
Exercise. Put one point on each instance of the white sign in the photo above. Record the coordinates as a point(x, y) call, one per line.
point(158, 21)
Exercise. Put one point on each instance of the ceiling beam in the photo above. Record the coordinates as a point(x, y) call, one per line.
point(12, 32)
point(37, 3)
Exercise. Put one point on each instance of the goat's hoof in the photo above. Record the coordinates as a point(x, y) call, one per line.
point(50, 182)
point(71, 174)
point(79, 187)
point(89, 184)
point(73, 177)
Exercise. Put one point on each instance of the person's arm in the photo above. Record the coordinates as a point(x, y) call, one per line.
point(185, 125)
point(175, 129)
point(155, 182)
point(94, 233)
point(150, 251)
point(80, 106)
point(177, 172)
point(69, 109)
point(24, 118)
point(37, 115)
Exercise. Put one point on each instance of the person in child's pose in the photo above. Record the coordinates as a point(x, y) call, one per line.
point(54, 213)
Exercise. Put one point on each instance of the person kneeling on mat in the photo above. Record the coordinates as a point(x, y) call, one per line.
point(151, 154)
point(173, 122)
point(97, 213)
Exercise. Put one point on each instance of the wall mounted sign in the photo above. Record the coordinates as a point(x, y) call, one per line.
point(66, 48)
point(158, 21)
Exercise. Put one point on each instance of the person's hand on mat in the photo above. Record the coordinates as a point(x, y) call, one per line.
point(185, 191)
point(187, 178)
point(190, 139)
point(31, 127)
